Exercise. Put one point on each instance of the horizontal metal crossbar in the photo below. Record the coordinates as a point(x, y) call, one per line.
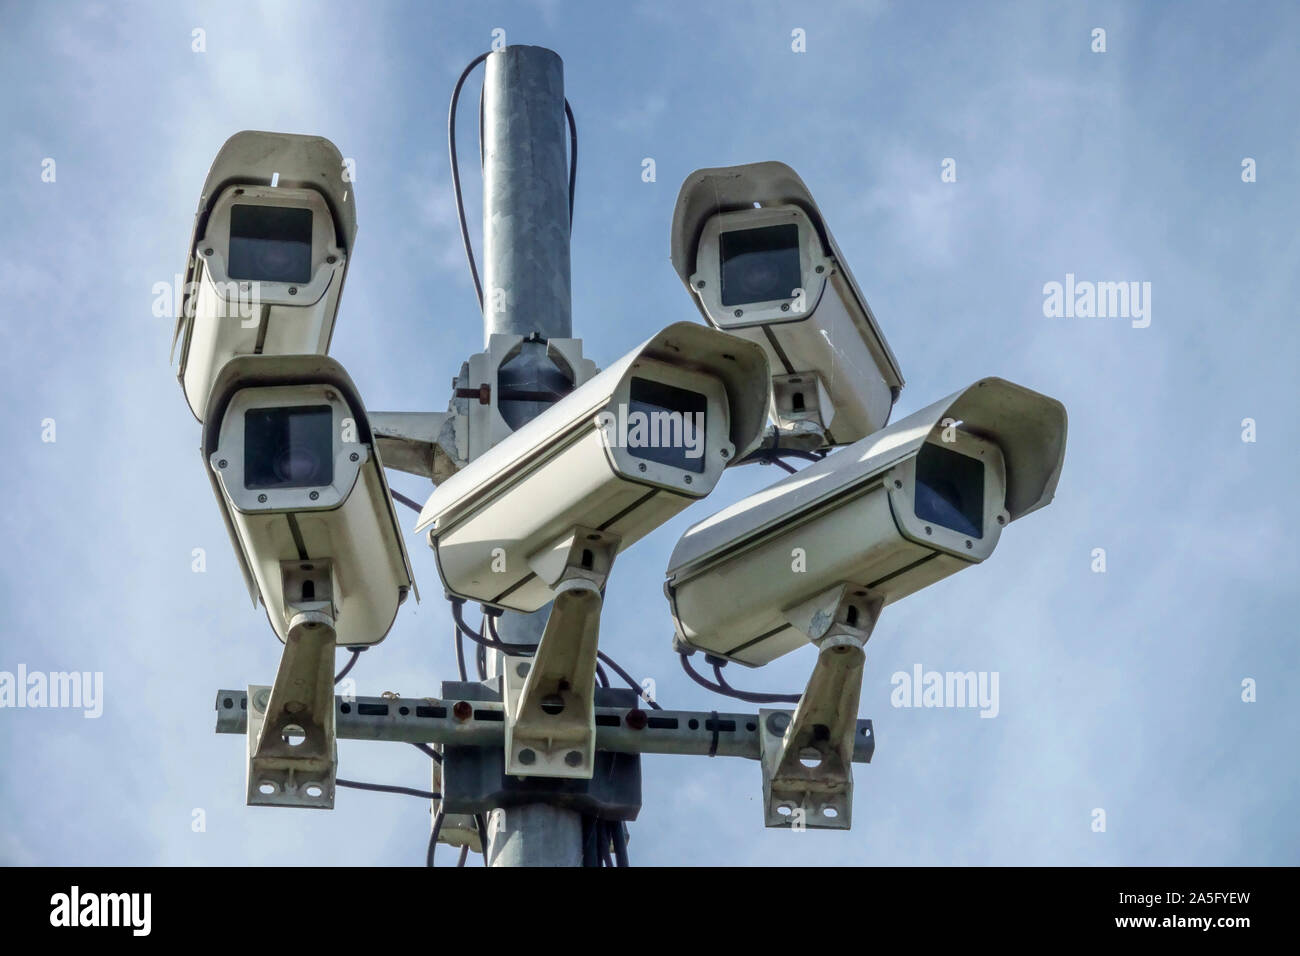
point(479, 723)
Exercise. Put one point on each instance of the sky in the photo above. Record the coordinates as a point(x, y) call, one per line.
point(1159, 691)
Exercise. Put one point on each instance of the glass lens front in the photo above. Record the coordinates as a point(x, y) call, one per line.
point(666, 424)
point(950, 490)
point(270, 244)
point(759, 265)
point(288, 447)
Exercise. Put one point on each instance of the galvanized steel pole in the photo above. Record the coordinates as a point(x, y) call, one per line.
point(526, 292)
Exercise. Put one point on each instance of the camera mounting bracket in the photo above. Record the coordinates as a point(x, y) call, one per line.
point(292, 752)
point(550, 718)
point(801, 405)
point(807, 759)
point(419, 443)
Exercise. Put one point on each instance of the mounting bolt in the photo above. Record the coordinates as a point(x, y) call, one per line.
point(526, 757)
point(777, 723)
point(462, 710)
point(636, 719)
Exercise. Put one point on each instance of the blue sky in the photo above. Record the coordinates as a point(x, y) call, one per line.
point(1119, 691)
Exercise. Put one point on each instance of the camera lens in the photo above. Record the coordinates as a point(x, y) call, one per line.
point(297, 466)
point(270, 244)
point(667, 425)
point(288, 447)
point(759, 265)
point(950, 490)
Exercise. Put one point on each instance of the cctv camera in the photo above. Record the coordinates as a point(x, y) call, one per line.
point(751, 245)
point(867, 525)
point(615, 458)
point(274, 230)
point(302, 489)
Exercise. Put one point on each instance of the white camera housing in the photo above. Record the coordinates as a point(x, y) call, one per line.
point(266, 263)
point(832, 368)
point(497, 524)
point(747, 583)
point(326, 523)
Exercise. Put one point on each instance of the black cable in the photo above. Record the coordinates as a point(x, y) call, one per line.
point(455, 165)
point(573, 158)
point(495, 643)
point(356, 652)
point(798, 453)
point(460, 654)
point(388, 788)
point(602, 843)
point(590, 836)
point(775, 454)
point(620, 843)
point(409, 502)
point(752, 697)
point(464, 854)
point(433, 837)
point(458, 612)
point(427, 751)
point(613, 665)
point(455, 173)
point(487, 629)
point(480, 824)
point(729, 691)
point(600, 676)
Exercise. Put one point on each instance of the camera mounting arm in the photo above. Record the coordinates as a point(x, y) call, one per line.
point(550, 718)
point(807, 759)
point(419, 443)
point(292, 752)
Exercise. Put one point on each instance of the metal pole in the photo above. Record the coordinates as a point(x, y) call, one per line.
point(526, 292)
